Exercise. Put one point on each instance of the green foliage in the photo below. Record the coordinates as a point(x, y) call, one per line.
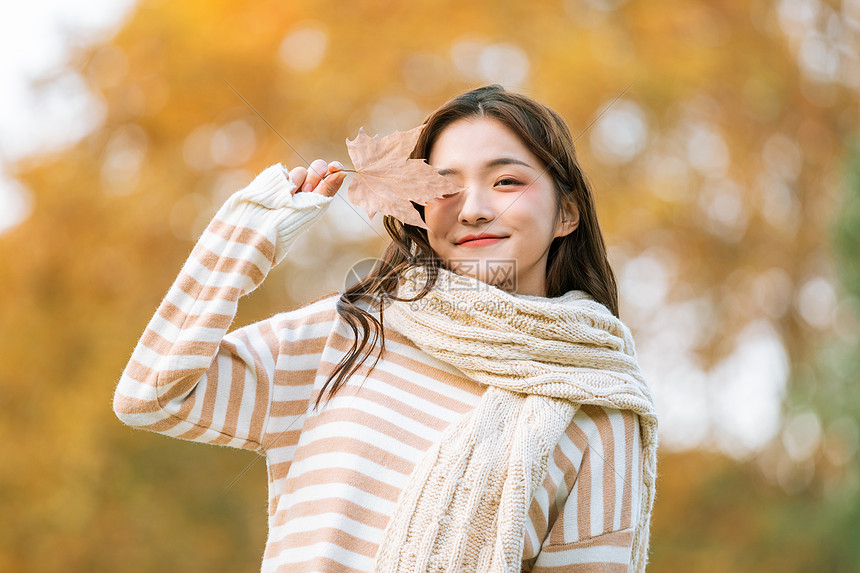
point(846, 228)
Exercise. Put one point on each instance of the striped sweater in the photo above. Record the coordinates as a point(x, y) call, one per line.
point(335, 473)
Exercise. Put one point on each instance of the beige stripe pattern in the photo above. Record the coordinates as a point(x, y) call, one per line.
point(335, 473)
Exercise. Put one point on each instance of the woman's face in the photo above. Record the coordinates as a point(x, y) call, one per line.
point(499, 228)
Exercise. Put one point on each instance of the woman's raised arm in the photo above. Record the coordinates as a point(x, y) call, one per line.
point(187, 378)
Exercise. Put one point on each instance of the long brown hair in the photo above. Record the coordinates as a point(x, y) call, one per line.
point(575, 262)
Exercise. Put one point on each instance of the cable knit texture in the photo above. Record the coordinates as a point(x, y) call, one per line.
point(464, 508)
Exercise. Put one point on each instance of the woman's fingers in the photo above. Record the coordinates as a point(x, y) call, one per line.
point(297, 176)
point(316, 171)
point(320, 177)
point(333, 180)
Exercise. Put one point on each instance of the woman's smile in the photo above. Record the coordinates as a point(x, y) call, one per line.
point(481, 240)
point(507, 213)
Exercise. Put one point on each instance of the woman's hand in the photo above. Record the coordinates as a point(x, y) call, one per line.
point(321, 177)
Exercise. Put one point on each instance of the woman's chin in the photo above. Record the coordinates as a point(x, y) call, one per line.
point(500, 273)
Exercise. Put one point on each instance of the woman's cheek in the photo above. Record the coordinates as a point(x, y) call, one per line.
point(434, 218)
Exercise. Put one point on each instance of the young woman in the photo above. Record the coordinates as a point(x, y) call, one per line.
point(474, 404)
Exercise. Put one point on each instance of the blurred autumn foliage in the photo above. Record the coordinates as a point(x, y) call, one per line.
point(726, 184)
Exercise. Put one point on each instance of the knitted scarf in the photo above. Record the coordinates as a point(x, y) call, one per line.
point(465, 504)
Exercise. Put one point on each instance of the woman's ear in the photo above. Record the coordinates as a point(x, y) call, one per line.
point(569, 220)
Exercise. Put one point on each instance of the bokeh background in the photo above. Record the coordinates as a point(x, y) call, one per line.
point(728, 185)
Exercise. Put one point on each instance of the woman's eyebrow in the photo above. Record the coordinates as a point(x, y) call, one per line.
point(490, 164)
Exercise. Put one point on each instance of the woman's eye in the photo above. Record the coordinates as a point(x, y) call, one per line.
point(507, 182)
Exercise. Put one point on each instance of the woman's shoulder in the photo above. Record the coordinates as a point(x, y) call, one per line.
point(603, 425)
point(321, 313)
point(600, 431)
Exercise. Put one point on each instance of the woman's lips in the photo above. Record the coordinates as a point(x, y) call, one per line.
point(483, 241)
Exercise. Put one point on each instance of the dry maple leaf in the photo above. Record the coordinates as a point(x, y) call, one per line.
point(387, 181)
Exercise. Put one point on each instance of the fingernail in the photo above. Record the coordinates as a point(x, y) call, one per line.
point(338, 165)
point(307, 188)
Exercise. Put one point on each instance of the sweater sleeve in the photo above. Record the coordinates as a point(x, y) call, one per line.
point(187, 377)
point(607, 553)
point(593, 531)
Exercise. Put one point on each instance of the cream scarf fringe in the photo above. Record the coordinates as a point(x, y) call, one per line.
point(464, 507)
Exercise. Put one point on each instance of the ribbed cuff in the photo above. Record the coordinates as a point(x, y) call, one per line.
point(269, 195)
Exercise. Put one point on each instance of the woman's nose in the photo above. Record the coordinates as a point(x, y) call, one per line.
point(475, 206)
